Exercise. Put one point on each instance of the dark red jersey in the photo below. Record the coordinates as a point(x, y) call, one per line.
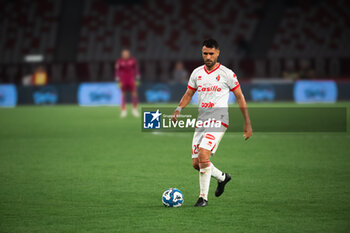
point(126, 70)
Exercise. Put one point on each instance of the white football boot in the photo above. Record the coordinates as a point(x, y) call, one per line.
point(135, 112)
point(123, 114)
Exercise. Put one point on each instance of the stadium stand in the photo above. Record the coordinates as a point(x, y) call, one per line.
point(164, 29)
point(28, 27)
point(161, 32)
point(313, 29)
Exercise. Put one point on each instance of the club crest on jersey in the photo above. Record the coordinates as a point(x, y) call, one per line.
point(218, 78)
point(199, 77)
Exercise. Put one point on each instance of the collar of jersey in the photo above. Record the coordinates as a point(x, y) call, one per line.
point(209, 72)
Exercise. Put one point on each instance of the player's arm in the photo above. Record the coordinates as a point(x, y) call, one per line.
point(117, 73)
point(137, 73)
point(185, 100)
point(247, 132)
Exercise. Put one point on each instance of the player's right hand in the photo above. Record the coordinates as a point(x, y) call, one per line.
point(175, 115)
point(247, 131)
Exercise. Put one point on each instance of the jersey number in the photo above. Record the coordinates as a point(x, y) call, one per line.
point(195, 149)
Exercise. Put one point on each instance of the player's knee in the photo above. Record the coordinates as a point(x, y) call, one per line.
point(204, 159)
point(204, 155)
point(204, 164)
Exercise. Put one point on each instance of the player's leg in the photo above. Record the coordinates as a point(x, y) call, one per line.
point(214, 138)
point(204, 176)
point(221, 177)
point(134, 94)
point(215, 173)
point(196, 141)
point(211, 141)
point(123, 104)
point(197, 138)
point(205, 171)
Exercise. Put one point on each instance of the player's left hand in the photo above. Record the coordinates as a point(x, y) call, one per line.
point(247, 131)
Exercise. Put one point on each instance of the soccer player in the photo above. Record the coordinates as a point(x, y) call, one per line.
point(127, 76)
point(213, 82)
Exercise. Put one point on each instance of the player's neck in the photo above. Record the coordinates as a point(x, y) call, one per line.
point(212, 67)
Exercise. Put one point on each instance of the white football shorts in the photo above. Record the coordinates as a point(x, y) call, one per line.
point(206, 139)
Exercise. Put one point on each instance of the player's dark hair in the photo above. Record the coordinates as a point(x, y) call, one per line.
point(211, 43)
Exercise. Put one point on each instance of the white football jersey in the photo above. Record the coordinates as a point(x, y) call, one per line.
point(213, 88)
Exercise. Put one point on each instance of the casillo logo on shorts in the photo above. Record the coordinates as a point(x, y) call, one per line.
point(209, 89)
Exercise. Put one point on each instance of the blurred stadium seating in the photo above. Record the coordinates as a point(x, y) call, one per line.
point(161, 32)
point(164, 29)
point(28, 27)
point(313, 29)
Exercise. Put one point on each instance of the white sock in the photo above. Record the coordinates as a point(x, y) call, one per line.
point(217, 174)
point(204, 181)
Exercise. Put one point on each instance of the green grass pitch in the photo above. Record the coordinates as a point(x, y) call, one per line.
point(76, 169)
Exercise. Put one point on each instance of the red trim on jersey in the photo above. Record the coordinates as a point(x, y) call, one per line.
point(225, 125)
point(213, 147)
point(189, 87)
point(235, 88)
point(209, 72)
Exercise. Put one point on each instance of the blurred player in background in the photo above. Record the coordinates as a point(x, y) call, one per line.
point(214, 83)
point(127, 76)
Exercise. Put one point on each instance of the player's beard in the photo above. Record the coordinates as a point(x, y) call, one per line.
point(210, 64)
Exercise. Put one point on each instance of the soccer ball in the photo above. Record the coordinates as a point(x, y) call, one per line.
point(172, 198)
